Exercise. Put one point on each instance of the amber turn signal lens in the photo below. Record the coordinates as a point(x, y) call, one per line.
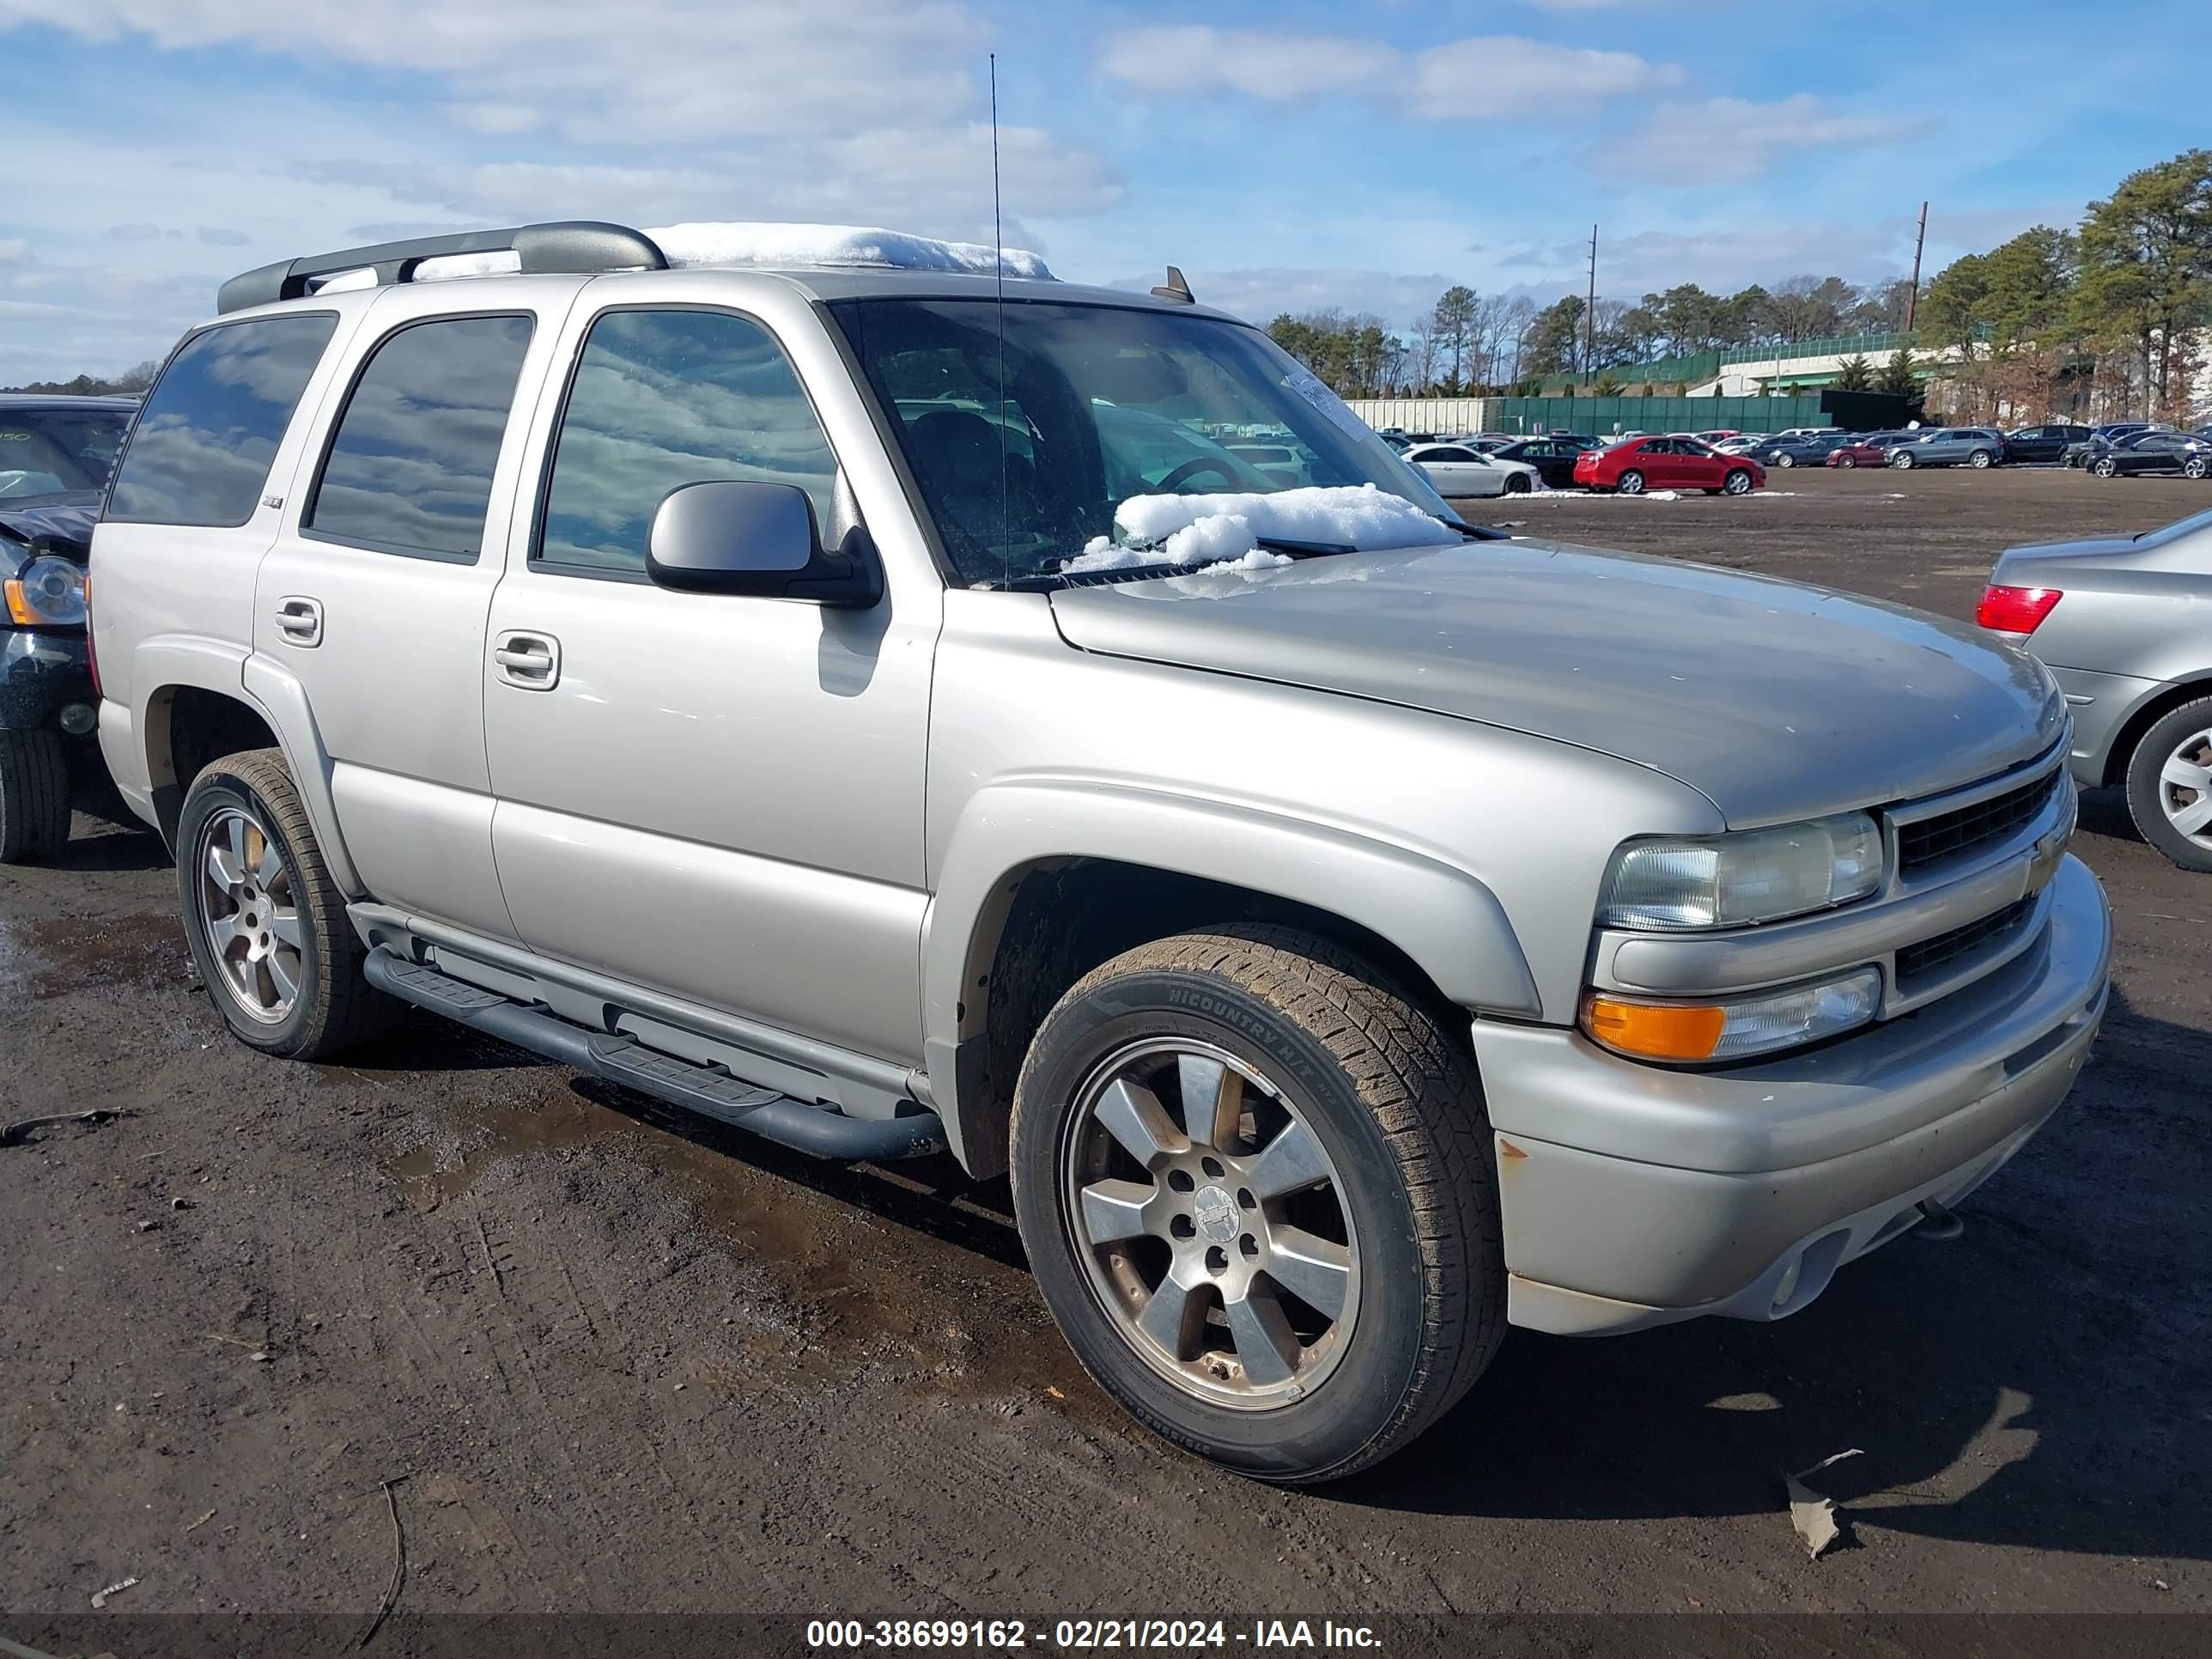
point(1655, 1030)
point(19, 607)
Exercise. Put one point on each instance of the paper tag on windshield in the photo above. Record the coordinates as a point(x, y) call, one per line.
point(1311, 386)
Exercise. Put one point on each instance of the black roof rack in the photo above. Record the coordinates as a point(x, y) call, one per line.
point(574, 245)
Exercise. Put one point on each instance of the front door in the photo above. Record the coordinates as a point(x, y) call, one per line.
point(375, 593)
point(714, 796)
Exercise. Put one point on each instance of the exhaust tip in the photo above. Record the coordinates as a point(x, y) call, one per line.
point(1942, 1224)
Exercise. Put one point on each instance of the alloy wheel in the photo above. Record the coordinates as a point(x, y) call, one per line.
point(2184, 787)
point(1211, 1223)
point(249, 915)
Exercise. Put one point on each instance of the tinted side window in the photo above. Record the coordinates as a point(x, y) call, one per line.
point(665, 398)
point(410, 466)
point(209, 430)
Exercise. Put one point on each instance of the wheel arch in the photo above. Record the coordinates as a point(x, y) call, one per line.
point(1048, 881)
point(2145, 714)
point(207, 701)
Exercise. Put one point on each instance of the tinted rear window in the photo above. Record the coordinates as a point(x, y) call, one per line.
point(202, 447)
point(409, 467)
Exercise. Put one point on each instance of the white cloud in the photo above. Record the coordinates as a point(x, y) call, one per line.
point(222, 236)
point(1731, 140)
point(1260, 64)
point(15, 251)
point(1479, 78)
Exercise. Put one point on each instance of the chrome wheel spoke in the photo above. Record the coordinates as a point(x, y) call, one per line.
point(2185, 773)
point(269, 868)
point(2192, 819)
point(1291, 1162)
point(1317, 1271)
point(1132, 1115)
point(1266, 1347)
point(1115, 1210)
point(227, 875)
point(1213, 1100)
point(1172, 1317)
point(282, 976)
point(284, 927)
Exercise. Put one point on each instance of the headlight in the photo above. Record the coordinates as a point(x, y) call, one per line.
point(1738, 1029)
point(1733, 880)
point(49, 592)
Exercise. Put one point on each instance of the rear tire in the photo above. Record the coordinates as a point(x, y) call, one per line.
point(1980, 457)
point(2169, 784)
point(34, 795)
point(267, 925)
point(1632, 483)
point(1288, 1073)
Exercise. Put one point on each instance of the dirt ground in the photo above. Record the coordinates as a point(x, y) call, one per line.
point(625, 1361)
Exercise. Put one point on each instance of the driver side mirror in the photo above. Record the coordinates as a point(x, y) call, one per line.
point(758, 539)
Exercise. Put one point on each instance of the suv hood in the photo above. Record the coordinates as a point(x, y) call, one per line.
point(1775, 699)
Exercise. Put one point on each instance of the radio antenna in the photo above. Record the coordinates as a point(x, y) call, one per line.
point(999, 267)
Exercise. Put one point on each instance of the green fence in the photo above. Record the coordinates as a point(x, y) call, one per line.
point(1601, 417)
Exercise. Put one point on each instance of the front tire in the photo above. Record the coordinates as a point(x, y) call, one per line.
point(2107, 468)
point(1901, 461)
point(2196, 467)
point(34, 795)
point(1845, 462)
point(1255, 1181)
point(266, 924)
point(1516, 485)
point(2170, 784)
point(1737, 483)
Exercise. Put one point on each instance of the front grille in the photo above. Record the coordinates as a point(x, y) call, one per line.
point(1918, 961)
point(1970, 829)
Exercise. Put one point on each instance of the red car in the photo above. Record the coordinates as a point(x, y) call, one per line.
point(1643, 464)
point(1868, 452)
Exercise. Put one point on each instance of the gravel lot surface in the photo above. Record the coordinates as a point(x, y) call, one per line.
point(628, 1361)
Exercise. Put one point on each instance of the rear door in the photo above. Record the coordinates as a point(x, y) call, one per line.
point(375, 594)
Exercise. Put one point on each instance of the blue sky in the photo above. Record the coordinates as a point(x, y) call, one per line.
point(1361, 153)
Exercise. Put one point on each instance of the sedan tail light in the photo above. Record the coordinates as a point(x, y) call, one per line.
point(2016, 610)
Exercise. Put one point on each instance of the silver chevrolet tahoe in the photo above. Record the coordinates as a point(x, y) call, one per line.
point(747, 686)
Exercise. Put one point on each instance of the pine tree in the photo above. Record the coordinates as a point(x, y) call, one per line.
point(1897, 377)
point(1856, 374)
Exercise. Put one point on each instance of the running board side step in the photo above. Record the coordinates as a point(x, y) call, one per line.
point(625, 1061)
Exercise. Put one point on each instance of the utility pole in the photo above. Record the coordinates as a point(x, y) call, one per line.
point(1919, 242)
point(1590, 311)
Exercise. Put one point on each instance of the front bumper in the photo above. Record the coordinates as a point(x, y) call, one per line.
point(40, 675)
point(1634, 1196)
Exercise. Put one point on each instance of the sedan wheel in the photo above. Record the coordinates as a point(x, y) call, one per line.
point(1785, 460)
point(1845, 462)
point(2170, 786)
point(2107, 468)
point(1901, 461)
point(2195, 467)
point(1979, 457)
point(1632, 483)
point(1737, 483)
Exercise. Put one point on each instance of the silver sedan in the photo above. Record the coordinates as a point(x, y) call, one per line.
point(2120, 623)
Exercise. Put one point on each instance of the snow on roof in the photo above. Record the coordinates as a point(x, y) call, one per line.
point(1209, 529)
point(767, 246)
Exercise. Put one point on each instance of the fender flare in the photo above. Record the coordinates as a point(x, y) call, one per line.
point(1443, 918)
point(166, 662)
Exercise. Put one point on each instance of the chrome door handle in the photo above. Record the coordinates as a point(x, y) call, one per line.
point(299, 619)
point(530, 661)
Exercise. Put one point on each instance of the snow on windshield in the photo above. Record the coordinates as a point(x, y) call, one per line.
point(773, 246)
point(1216, 529)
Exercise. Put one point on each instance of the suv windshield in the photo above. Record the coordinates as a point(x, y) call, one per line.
point(44, 450)
point(1097, 404)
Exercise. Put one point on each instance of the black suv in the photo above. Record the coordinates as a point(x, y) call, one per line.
point(2044, 444)
point(55, 454)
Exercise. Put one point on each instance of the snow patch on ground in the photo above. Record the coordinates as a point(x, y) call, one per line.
point(765, 246)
